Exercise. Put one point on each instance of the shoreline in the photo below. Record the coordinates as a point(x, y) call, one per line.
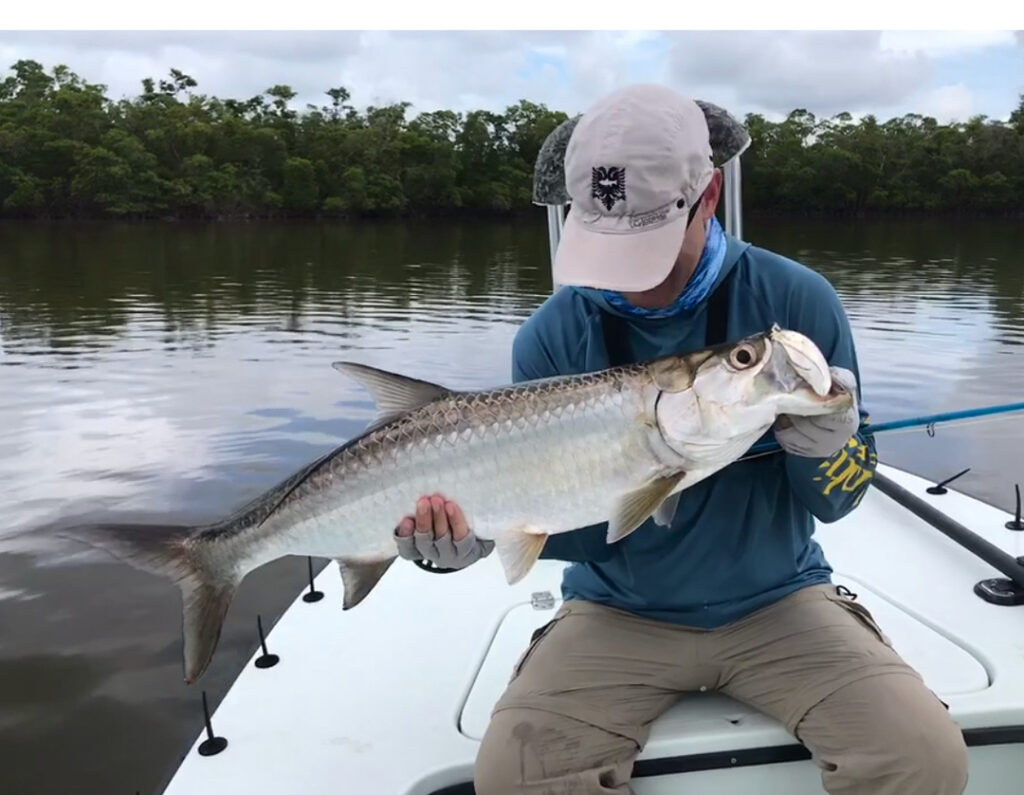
point(526, 214)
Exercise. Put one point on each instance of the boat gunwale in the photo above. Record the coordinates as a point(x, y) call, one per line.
point(978, 737)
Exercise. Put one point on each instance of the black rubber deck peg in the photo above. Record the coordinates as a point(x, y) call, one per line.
point(940, 488)
point(265, 660)
point(1016, 523)
point(313, 595)
point(212, 745)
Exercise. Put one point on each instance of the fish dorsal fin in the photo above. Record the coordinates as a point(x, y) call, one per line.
point(633, 509)
point(518, 550)
point(393, 393)
point(359, 577)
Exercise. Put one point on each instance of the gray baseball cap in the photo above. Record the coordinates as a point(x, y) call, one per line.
point(636, 163)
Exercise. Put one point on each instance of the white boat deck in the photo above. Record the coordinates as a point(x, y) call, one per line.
point(392, 697)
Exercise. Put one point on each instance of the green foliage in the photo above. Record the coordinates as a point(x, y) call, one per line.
point(67, 150)
point(911, 163)
point(300, 188)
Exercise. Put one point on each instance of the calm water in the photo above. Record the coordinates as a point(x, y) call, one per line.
point(177, 371)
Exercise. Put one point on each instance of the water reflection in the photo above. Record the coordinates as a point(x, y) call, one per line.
point(83, 286)
point(937, 309)
point(177, 370)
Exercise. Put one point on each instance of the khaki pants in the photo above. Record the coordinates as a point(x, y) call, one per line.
point(581, 699)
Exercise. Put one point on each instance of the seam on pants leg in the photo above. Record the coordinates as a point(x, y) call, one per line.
point(591, 717)
point(815, 697)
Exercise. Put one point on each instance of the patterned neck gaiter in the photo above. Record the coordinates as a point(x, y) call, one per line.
point(697, 288)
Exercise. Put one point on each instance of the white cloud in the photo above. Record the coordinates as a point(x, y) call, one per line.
point(771, 72)
point(947, 104)
point(456, 70)
point(941, 43)
point(776, 71)
point(236, 64)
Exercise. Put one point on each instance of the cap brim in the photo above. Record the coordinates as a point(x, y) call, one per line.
point(625, 262)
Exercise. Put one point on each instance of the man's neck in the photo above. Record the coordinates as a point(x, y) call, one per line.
point(666, 292)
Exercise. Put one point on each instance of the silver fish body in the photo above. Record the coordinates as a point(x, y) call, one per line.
point(541, 457)
point(523, 462)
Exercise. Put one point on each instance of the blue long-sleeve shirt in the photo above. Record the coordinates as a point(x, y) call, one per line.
point(742, 538)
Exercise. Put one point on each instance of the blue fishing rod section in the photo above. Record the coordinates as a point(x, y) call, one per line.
point(1008, 591)
point(872, 429)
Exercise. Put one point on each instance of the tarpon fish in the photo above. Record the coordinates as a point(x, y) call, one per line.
point(523, 461)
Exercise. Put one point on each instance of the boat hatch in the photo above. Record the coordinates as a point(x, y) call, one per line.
point(947, 668)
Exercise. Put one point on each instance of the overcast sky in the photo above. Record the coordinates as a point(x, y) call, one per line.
point(948, 75)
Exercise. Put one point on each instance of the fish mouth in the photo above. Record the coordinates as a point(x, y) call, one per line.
point(806, 360)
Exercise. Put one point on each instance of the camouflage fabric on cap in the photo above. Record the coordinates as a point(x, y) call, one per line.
point(549, 169)
point(729, 138)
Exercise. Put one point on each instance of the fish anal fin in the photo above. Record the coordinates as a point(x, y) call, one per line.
point(518, 550)
point(359, 578)
point(633, 508)
point(394, 394)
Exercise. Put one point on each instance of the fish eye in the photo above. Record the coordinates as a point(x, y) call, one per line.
point(742, 356)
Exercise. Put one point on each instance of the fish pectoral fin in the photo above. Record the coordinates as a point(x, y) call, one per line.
point(393, 393)
point(359, 577)
point(518, 550)
point(633, 509)
point(667, 510)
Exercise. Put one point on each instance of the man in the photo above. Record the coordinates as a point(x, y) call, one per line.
point(736, 596)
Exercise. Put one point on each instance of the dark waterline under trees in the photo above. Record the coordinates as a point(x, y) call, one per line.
point(68, 151)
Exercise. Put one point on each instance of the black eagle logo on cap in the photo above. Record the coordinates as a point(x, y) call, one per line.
point(608, 184)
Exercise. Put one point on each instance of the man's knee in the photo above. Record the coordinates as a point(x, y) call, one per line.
point(930, 755)
point(935, 755)
point(887, 735)
point(495, 772)
point(524, 749)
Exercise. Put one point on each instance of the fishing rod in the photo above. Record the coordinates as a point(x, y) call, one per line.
point(927, 421)
point(1001, 592)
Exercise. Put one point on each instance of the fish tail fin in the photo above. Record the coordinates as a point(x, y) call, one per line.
point(176, 552)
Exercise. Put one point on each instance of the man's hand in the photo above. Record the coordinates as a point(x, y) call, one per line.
point(821, 437)
point(440, 534)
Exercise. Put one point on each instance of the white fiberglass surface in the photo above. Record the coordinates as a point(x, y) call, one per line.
point(393, 696)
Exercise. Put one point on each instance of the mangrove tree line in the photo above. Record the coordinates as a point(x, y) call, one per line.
point(67, 150)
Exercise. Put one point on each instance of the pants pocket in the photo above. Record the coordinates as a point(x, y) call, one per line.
point(535, 638)
point(846, 599)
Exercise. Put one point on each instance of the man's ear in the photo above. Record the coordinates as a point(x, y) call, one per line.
point(712, 195)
